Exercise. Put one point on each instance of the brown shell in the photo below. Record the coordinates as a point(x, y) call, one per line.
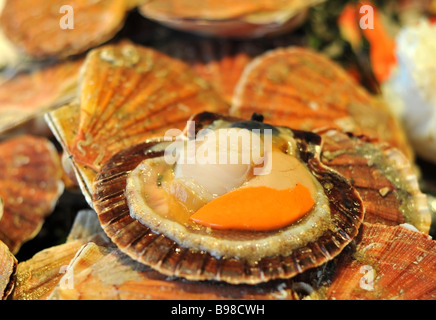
point(129, 93)
point(30, 94)
point(34, 26)
point(169, 258)
point(30, 185)
point(242, 19)
point(8, 268)
point(303, 89)
point(387, 263)
point(382, 175)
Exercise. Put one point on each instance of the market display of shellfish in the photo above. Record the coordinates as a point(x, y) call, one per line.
point(213, 150)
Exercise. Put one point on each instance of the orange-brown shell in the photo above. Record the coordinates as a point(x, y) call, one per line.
point(303, 89)
point(387, 263)
point(129, 93)
point(38, 276)
point(30, 185)
point(170, 258)
point(8, 268)
point(105, 273)
point(35, 26)
point(382, 175)
point(228, 18)
point(29, 94)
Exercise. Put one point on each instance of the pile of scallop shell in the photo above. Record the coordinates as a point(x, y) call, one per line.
point(88, 110)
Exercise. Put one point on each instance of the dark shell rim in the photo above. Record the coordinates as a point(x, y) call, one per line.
point(169, 258)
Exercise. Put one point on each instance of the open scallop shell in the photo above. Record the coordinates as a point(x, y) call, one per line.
point(229, 19)
point(382, 175)
point(30, 185)
point(8, 268)
point(303, 89)
point(36, 27)
point(170, 258)
point(387, 263)
point(128, 93)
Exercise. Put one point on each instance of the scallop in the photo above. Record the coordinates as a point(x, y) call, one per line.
point(245, 19)
point(8, 268)
point(383, 176)
point(127, 94)
point(46, 29)
point(150, 221)
point(303, 89)
point(30, 185)
point(388, 262)
point(29, 94)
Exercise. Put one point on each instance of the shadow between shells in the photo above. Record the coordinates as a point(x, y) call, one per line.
point(168, 257)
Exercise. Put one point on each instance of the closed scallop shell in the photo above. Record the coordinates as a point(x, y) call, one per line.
point(129, 93)
point(303, 89)
point(8, 268)
point(38, 276)
point(30, 185)
point(170, 258)
point(105, 273)
point(244, 19)
point(388, 262)
point(382, 175)
point(29, 94)
point(53, 28)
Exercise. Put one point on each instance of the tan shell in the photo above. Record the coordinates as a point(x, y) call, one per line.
point(387, 263)
point(382, 175)
point(8, 268)
point(30, 185)
point(226, 18)
point(303, 89)
point(35, 26)
point(28, 95)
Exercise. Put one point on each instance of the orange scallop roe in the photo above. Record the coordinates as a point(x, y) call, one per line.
point(258, 208)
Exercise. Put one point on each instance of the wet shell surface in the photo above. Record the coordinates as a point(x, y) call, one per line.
point(303, 89)
point(382, 175)
point(387, 263)
point(129, 93)
point(30, 185)
point(141, 242)
point(53, 28)
point(245, 19)
point(30, 94)
point(8, 268)
point(38, 276)
point(105, 273)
